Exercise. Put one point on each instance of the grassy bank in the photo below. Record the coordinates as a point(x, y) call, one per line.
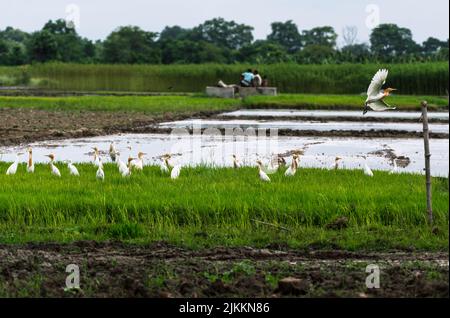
point(413, 79)
point(159, 104)
point(208, 207)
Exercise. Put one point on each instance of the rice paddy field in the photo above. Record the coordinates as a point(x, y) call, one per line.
point(227, 207)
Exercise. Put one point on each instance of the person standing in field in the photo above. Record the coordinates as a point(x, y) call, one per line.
point(257, 80)
point(247, 78)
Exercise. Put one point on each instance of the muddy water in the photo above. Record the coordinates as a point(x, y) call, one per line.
point(319, 152)
point(331, 114)
point(306, 125)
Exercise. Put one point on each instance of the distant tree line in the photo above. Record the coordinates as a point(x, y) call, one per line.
point(217, 41)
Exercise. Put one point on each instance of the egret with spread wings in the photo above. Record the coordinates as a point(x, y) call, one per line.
point(376, 95)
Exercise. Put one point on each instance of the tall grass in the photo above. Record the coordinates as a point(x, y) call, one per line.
point(411, 79)
point(225, 200)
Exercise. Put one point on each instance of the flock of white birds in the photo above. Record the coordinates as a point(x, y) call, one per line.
point(375, 102)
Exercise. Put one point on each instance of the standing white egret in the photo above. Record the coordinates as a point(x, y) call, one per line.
point(262, 175)
point(112, 152)
point(236, 163)
point(120, 164)
point(100, 175)
point(290, 172)
point(175, 173)
point(139, 162)
point(367, 170)
point(375, 95)
point(336, 163)
point(127, 172)
point(97, 160)
point(30, 164)
point(395, 168)
point(53, 168)
point(164, 165)
point(13, 168)
point(72, 169)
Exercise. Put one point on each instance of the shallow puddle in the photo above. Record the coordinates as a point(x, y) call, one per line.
point(330, 114)
point(319, 152)
point(306, 125)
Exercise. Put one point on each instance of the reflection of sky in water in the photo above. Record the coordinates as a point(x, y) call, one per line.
point(307, 125)
point(320, 151)
point(332, 113)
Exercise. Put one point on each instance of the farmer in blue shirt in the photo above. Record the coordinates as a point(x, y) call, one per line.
point(247, 78)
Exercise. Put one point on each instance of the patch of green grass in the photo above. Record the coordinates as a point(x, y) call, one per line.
point(384, 212)
point(197, 103)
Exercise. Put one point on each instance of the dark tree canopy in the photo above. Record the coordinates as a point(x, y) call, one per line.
point(129, 45)
point(286, 34)
point(217, 41)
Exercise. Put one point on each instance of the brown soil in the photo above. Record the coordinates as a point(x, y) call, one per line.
point(162, 270)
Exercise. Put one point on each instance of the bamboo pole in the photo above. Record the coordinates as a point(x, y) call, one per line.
point(426, 139)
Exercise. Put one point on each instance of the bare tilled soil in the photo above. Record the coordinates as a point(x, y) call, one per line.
point(23, 126)
point(163, 271)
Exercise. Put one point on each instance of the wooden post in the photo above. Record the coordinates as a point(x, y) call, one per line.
point(426, 139)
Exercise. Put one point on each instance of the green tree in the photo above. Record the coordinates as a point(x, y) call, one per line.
point(42, 47)
point(131, 45)
point(388, 42)
point(355, 53)
point(264, 52)
point(286, 34)
point(222, 33)
point(316, 54)
point(320, 36)
point(433, 45)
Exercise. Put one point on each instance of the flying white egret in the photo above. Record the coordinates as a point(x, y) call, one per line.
point(175, 173)
point(375, 95)
point(13, 168)
point(367, 170)
point(165, 166)
point(127, 172)
point(290, 172)
point(139, 162)
point(395, 169)
point(112, 152)
point(262, 175)
point(53, 168)
point(72, 169)
point(236, 163)
point(30, 164)
point(100, 175)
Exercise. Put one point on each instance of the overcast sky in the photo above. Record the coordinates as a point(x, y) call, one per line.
point(99, 17)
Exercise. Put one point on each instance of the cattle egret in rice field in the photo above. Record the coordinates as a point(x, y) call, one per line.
point(375, 94)
point(97, 161)
point(290, 172)
point(336, 163)
point(262, 175)
point(72, 169)
point(13, 168)
point(120, 164)
point(236, 163)
point(112, 152)
point(100, 175)
point(165, 166)
point(127, 172)
point(395, 168)
point(175, 172)
point(53, 168)
point(30, 164)
point(367, 170)
point(139, 162)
